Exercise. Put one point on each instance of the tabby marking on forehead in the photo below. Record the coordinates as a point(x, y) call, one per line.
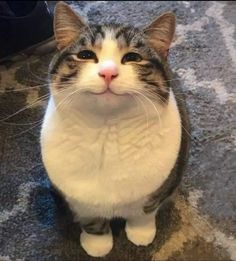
point(113, 42)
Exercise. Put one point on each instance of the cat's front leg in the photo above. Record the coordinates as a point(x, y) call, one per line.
point(96, 237)
point(141, 230)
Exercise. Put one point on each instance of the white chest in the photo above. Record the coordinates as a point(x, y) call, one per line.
point(115, 164)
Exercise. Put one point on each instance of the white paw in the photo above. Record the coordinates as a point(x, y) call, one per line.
point(141, 235)
point(96, 245)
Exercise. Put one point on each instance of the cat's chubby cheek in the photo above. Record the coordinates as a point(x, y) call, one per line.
point(113, 101)
point(108, 103)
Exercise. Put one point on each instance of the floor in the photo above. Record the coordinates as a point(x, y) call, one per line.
point(200, 224)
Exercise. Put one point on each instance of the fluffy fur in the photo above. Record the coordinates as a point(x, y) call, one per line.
point(107, 153)
point(109, 168)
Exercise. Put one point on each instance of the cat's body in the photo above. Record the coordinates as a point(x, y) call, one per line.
point(110, 170)
point(113, 149)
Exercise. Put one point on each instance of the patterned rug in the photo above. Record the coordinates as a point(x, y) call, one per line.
point(200, 224)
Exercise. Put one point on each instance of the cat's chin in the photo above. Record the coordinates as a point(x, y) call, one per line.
point(109, 93)
point(106, 103)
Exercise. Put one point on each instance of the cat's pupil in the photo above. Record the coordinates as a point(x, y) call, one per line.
point(87, 55)
point(131, 57)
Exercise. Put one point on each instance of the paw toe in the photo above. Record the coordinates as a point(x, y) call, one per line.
point(96, 245)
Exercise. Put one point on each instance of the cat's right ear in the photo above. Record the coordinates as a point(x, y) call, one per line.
point(161, 33)
point(67, 25)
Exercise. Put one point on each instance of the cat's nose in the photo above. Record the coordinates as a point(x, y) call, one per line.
point(108, 70)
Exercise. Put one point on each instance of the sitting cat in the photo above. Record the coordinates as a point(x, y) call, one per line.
point(114, 139)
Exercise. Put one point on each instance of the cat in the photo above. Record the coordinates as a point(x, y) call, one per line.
point(114, 137)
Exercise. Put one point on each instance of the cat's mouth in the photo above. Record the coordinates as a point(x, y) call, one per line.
point(107, 92)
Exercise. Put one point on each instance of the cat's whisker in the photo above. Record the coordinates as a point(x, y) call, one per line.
point(170, 80)
point(24, 89)
point(179, 99)
point(38, 100)
point(155, 96)
point(145, 110)
point(19, 124)
point(150, 101)
point(190, 136)
point(68, 96)
point(44, 97)
point(182, 124)
point(35, 75)
point(90, 30)
point(142, 84)
point(69, 100)
point(25, 131)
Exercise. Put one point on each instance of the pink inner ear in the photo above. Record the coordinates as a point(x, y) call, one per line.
point(161, 33)
point(67, 25)
point(161, 46)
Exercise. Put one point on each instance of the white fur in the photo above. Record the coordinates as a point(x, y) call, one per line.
point(96, 245)
point(141, 230)
point(108, 168)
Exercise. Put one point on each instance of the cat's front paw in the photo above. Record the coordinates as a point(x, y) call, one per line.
point(96, 245)
point(140, 235)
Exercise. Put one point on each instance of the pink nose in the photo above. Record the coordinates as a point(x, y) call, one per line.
point(108, 70)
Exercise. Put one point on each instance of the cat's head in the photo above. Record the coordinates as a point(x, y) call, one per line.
point(109, 68)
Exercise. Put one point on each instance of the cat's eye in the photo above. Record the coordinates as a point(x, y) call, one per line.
point(87, 55)
point(131, 57)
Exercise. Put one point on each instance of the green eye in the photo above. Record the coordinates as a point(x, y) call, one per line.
point(87, 55)
point(131, 57)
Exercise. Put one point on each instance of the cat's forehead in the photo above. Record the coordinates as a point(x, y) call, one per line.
point(122, 36)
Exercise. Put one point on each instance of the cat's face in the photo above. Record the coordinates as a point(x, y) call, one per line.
point(108, 68)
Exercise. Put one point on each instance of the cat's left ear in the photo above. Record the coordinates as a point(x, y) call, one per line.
point(67, 25)
point(161, 33)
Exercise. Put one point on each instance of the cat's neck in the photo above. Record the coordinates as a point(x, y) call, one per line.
point(147, 113)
